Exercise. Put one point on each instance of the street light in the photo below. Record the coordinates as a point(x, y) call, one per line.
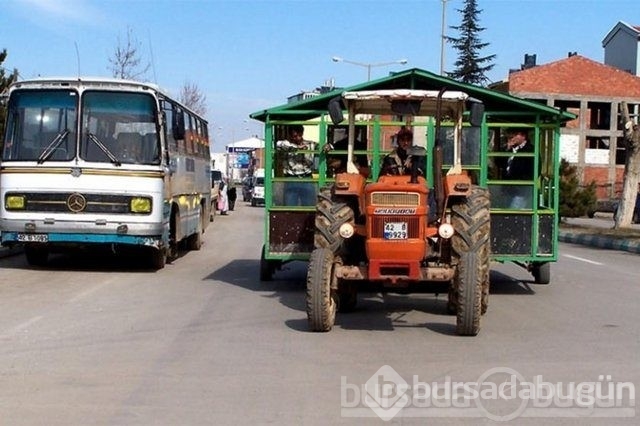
point(368, 66)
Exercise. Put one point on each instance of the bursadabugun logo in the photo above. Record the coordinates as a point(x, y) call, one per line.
point(500, 394)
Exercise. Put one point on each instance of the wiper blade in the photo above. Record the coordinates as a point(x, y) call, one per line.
point(104, 149)
point(53, 145)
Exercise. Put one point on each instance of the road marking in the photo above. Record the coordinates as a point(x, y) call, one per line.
point(18, 328)
point(582, 259)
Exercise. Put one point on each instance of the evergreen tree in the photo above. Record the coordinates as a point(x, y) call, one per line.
point(5, 81)
point(574, 200)
point(470, 67)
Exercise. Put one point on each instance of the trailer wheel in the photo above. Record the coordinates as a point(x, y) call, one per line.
point(267, 267)
point(471, 245)
point(541, 272)
point(36, 255)
point(330, 215)
point(321, 302)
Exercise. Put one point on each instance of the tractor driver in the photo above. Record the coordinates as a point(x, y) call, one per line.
point(398, 162)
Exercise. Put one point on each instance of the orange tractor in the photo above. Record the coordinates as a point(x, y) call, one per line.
point(403, 231)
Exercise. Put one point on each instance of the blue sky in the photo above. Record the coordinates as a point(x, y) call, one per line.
point(249, 55)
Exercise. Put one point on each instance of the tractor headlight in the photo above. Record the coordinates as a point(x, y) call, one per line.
point(446, 230)
point(15, 202)
point(346, 230)
point(140, 205)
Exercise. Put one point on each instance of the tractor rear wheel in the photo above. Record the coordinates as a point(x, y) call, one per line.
point(471, 246)
point(321, 299)
point(330, 215)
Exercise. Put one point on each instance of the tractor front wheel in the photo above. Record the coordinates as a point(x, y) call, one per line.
point(468, 284)
point(321, 299)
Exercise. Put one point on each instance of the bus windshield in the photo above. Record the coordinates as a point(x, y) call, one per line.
point(41, 126)
point(119, 128)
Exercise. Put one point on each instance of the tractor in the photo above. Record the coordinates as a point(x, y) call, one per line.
point(403, 232)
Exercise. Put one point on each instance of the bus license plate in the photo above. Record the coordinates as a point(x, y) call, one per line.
point(33, 238)
point(395, 231)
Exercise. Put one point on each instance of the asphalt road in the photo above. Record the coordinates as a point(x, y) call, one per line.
point(95, 340)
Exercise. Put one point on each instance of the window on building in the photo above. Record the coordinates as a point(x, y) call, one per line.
point(599, 115)
point(597, 142)
point(569, 106)
point(634, 114)
point(621, 152)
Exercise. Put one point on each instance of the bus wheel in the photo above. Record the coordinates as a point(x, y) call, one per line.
point(36, 255)
point(195, 239)
point(158, 258)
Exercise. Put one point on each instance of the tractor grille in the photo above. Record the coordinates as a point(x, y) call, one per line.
point(413, 225)
point(395, 199)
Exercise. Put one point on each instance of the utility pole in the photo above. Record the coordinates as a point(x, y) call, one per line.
point(442, 36)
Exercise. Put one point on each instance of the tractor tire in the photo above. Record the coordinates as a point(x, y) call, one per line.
point(321, 300)
point(541, 272)
point(468, 283)
point(330, 215)
point(472, 223)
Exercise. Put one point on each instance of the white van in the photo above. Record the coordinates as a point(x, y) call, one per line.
point(257, 191)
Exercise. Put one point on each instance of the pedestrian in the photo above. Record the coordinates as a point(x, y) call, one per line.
point(223, 201)
point(232, 195)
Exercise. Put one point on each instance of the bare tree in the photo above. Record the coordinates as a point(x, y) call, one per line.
point(192, 96)
point(631, 169)
point(126, 61)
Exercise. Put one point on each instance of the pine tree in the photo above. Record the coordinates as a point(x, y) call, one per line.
point(5, 81)
point(470, 67)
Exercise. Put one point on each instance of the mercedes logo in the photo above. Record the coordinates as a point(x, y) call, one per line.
point(76, 202)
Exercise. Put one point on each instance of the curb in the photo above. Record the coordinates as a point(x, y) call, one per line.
point(600, 242)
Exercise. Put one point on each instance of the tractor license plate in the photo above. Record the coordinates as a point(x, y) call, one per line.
point(33, 238)
point(395, 231)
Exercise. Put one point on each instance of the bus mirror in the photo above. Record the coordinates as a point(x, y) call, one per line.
point(411, 107)
point(177, 126)
point(476, 113)
point(335, 110)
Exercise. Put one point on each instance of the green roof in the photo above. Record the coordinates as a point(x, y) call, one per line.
point(415, 79)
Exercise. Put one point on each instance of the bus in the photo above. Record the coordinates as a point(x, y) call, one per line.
point(88, 162)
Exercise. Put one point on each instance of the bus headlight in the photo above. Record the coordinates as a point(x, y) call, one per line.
point(140, 205)
point(15, 202)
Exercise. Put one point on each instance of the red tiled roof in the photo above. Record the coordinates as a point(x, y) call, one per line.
point(575, 75)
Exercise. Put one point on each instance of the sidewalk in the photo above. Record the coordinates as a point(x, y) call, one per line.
point(599, 232)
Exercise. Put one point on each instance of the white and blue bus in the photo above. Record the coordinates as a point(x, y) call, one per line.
point(102, 161)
